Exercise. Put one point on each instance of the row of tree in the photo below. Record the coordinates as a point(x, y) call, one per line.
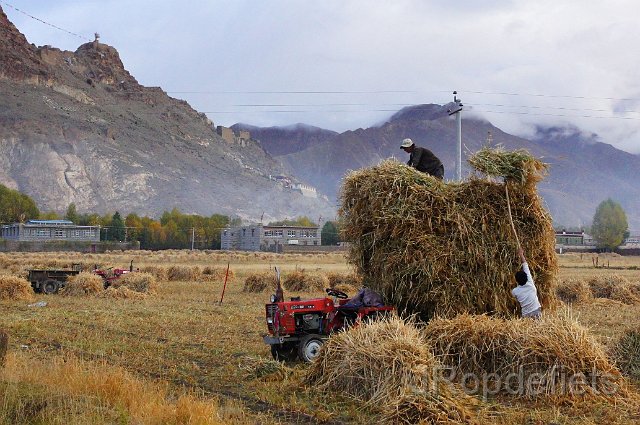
point(177, 230)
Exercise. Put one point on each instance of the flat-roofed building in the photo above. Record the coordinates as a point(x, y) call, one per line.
point(50, 230)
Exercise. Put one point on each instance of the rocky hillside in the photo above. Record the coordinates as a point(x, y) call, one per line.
point(584, 171)
point(78, 127)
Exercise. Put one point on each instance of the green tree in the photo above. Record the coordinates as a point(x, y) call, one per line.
point(16, 206)
point(609, 225)
point(330, 233)
point(117, 230)
point(300, 221)
point(72, 213)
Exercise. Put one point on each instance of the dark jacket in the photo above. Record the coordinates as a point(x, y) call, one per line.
point(424, 160)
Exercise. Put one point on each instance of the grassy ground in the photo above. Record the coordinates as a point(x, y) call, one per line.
point(199, 361)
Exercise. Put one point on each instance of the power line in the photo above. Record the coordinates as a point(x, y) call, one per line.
point(44, 22)
point(553, 96)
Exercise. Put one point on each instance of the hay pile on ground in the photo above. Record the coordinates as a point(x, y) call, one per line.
point(573, 291)
point(387, 366)
point(160, 272)
point(614, 287)
point(345, 280)
point(15, 288)
point(258, 282)
point(183, 273)
point(438, 248)
point(626, 353)
point(553, 357)
point(304, 282)
point(83, 284)
point(139, 282)
point(121, 293)
point(213, 273)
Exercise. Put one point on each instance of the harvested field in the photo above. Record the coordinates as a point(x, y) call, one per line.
point(122, 293)
point(83, 284)
point(436, 248)
point(184, 341)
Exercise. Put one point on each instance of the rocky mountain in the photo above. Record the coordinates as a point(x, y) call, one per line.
point(78, 127)
point(583, 170)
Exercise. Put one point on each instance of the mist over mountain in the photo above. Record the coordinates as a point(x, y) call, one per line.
point(78, 127)
point(583, 170)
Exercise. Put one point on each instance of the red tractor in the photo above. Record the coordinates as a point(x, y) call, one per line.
point(111, 274)
point(298, 328)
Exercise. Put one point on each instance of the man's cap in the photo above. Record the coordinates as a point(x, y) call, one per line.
point(406, 143)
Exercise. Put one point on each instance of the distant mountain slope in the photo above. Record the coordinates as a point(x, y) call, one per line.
point(287, 140)
point(78, 127)
point(583, 170)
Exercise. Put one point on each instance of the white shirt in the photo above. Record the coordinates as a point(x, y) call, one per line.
point(527, 294)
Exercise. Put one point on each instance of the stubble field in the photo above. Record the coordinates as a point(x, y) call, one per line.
point(179, 356)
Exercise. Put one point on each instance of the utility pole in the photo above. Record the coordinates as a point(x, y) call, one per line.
point(193, 236)
point(457, 110)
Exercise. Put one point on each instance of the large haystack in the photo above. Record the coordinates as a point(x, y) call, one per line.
point(388, 367)
point(552, 357)
point(15, 288)
point(83, 284)
point(436, 248)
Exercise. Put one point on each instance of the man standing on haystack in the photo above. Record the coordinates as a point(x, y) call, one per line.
point(422, 159)
point(526, 292)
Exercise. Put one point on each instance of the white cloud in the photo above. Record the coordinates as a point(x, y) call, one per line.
point(580, 55)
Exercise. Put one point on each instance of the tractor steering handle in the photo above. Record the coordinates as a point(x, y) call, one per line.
point(335, 293)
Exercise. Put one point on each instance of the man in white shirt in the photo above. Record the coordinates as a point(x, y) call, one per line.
point(526, 292)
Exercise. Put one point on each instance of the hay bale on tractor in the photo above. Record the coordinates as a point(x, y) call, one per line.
point(436, 248)
point(388, 367)
point(83, 284)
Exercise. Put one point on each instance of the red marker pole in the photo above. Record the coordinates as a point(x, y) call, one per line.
point(225, 284)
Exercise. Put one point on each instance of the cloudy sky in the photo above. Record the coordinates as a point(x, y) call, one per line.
point(344, 64)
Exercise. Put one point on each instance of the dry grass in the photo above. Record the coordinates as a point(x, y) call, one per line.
point(83, 284)
point(4, 342)
point(436, 248)
point(351, 279)
point(15, 288)
point(258, 282)
point(552, 350)
point(387, 366)
point(139, 282)
point(82, 391)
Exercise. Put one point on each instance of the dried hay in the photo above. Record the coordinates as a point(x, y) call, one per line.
point(139, 282)
point(15, 288)
point(183, 273)
point(303, 282)
point(436, 248)
point(614, 287)
point(346, 288)
point(626, 353)
point(258, 282)
point(573, 291)
point(121, 293)
point(387, 366)
point(350, 279)
point(83, 284)
point(160, 272)
point(553, 357)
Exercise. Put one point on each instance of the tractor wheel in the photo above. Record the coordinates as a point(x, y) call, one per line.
point(50, 287)
point(309, 347)
point(284, 352)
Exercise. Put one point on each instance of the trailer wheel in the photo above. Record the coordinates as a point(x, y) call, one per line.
point(309, 347)
point(50, 287)
point(284, 352)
